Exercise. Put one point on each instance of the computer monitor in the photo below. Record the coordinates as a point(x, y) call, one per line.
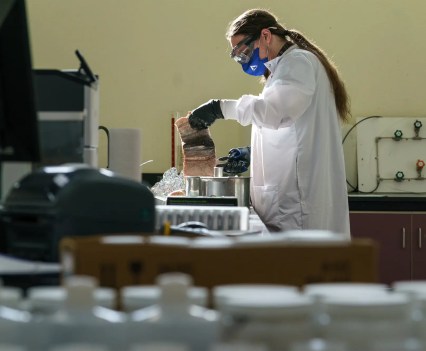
point(19, 133)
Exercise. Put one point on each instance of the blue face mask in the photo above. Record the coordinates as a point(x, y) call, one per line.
point(256, 65)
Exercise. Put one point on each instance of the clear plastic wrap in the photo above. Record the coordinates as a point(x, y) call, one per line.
point(172, 181)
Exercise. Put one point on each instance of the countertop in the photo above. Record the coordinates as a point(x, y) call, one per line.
point(404, 202)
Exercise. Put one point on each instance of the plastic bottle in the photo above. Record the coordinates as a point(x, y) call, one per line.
point(173, 319)
point(80, 321)
point(137, 297)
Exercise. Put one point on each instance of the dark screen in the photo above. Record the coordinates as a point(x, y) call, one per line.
point(19, 136)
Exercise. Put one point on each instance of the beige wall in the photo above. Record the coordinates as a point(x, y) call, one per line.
point(158, 57)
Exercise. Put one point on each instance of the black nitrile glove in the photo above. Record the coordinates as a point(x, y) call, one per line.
point(204, 116)
point(237, 161)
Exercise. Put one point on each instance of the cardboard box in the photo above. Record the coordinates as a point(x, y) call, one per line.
point(119, 261)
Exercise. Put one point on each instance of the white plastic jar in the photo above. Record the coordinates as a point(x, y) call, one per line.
point(360, 321)
point(276, 322)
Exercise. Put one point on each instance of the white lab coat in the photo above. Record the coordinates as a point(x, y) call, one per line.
point(298, 171)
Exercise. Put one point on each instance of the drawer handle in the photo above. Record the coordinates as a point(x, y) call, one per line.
point(403, 237)
point(420, 238)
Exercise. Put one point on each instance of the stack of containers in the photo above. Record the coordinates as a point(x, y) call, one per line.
point(173, 319)
point(360, 315)
point(269, 316)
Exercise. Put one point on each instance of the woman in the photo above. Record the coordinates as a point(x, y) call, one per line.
point(298, 170)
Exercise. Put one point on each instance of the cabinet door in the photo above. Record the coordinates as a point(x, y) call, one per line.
point(419, 246)
point(392, 233)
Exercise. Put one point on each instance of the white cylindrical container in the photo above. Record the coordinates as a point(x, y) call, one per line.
point(276, 322)
point(137, 297)
point(222, 293)
point(174, 319)
point(45, 300)
point(360, 322)
point(80, 321)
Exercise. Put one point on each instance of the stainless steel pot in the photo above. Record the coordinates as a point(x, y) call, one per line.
point(220, 186)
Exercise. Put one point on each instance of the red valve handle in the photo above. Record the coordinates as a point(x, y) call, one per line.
point(420, 164)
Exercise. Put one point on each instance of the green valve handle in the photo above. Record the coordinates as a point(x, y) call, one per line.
point(398, 134)
point(399, 176)
point(417, 124)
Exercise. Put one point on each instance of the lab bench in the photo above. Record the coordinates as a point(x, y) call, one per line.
point(397, 222)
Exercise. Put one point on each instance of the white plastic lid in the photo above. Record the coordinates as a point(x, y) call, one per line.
point(51, 298)
point(372, 306)
point(418, 287)
point(174, 287)
point(80, 291)
point(291, 306)
point(135, 297)
point(346, 289)
point(223, 293)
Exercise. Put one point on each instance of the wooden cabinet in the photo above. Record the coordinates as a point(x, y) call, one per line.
point(401, 237)
point(418, 229)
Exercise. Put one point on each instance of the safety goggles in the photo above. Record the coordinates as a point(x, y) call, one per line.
point(242, 52)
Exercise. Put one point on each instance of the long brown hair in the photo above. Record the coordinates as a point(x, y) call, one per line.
point(253, 21)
